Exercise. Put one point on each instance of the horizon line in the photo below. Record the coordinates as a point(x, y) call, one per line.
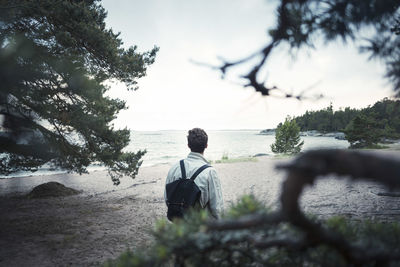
point(160, 130)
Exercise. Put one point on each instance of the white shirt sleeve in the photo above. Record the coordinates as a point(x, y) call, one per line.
point(216, 202)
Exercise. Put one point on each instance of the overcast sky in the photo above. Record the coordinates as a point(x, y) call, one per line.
point(177, 94)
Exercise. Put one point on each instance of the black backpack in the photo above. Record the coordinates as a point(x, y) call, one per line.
point(182, 193)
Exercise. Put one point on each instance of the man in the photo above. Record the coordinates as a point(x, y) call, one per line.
point(207, 180)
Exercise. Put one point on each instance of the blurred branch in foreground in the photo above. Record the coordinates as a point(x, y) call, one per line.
point(300, 23)
point(305, 170)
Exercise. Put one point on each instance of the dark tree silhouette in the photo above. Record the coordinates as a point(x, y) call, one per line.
point(54, 59)
point(300, 22)
point(396, 27)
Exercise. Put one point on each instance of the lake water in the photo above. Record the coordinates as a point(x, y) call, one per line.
point(166, 147)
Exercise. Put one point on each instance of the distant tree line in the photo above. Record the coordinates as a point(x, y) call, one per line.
point(326, 120)
point(363, 127)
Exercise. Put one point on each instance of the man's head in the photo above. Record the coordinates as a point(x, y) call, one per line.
point(197, 140)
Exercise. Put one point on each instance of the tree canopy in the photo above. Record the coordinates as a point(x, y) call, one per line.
point(374, 124)
point(55, 57)
point(327, 120)
point(363, 131)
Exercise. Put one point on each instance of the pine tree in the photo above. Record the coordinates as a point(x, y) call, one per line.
point(55, 57)
point(287, 138)
point(363, 131)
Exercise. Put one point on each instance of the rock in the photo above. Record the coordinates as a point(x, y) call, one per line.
point(267, 132)
point(261, 155)
point(314, 133)
point(340, 136)
point(52, 189)
point(390, 141)
point(310, 133)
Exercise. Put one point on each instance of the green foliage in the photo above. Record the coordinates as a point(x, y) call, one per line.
point(363, 128)
point(190, 243)
point(363, 131)
point(287, 138)
point(55, 57)
point(387, 113)
point(326, 120)
point(247, 204)
point(373, 124)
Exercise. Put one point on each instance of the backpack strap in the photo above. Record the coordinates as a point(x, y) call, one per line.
point(199, 171)
point(183, 170)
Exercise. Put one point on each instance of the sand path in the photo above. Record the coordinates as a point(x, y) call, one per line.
point(103, 221)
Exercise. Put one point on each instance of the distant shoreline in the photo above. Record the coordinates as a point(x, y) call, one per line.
point(312, 133)
point(387, 147)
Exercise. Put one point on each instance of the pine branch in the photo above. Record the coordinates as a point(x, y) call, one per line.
point(305, 170)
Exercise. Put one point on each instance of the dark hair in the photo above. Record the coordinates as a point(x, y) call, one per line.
point(197, 140)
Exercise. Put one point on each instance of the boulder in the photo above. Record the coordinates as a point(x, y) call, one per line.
point(52, 189)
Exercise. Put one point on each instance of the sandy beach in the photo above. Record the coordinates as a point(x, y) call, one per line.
point(105, 220)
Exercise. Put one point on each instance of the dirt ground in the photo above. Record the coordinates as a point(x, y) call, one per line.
point(81, 230)
point(104, 220)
